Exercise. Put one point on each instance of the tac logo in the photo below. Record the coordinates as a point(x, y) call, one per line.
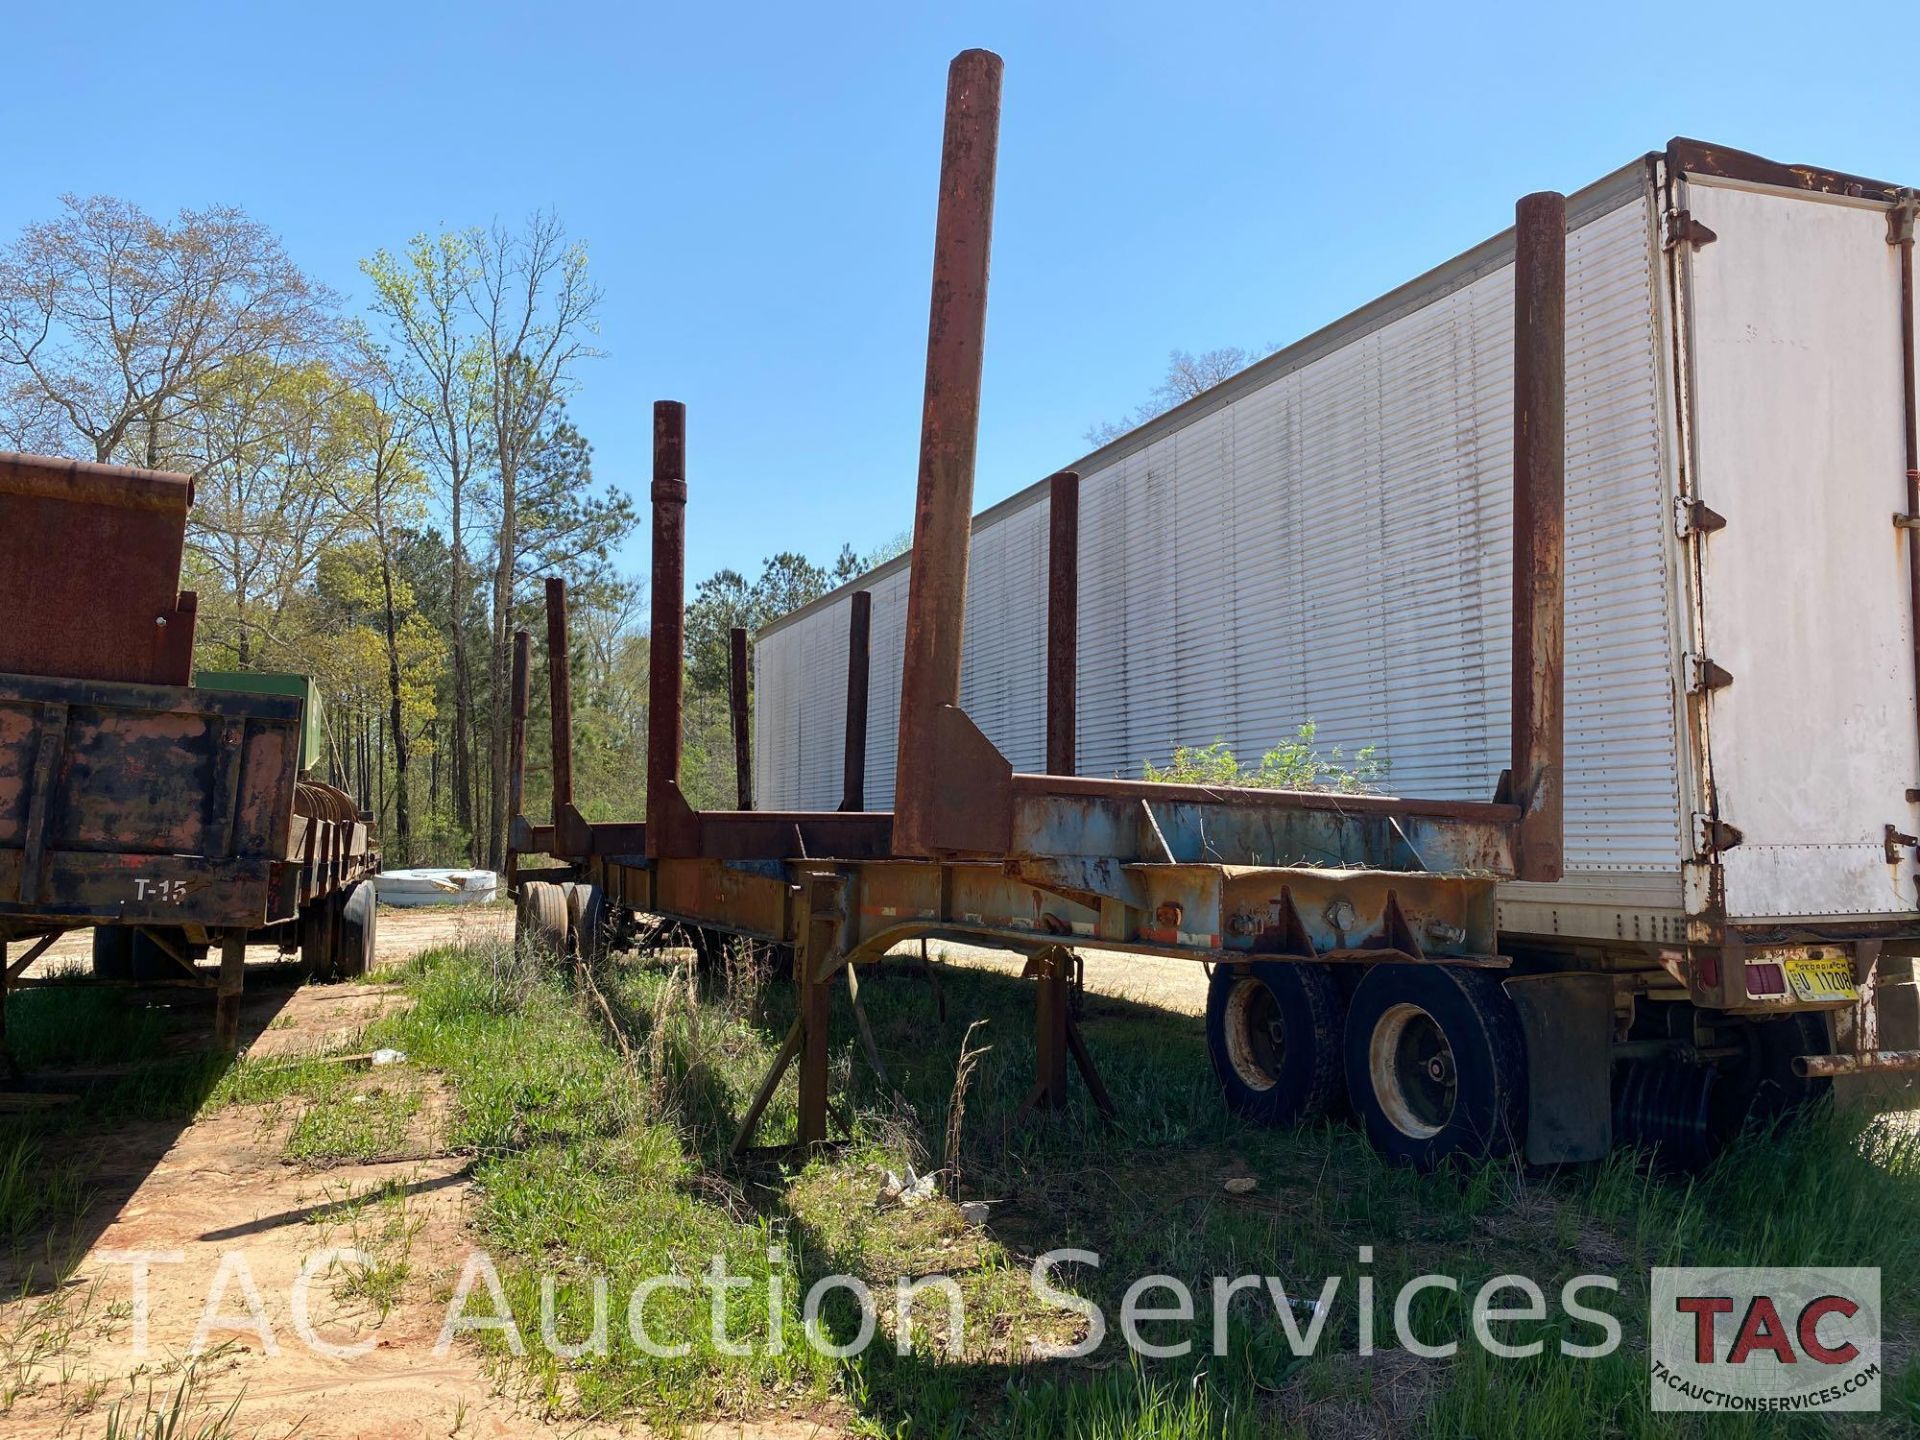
point(1776, 1340)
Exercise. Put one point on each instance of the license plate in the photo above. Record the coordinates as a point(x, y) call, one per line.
point(1822, 978)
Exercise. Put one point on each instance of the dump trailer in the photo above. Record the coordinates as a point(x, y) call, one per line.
point(170, 813)
point(1324, 538)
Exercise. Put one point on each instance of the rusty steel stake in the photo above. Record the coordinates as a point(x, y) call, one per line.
point(560, 695)
point(1063, 618)
point(1539, 523)
point(667, 651)
point(949, 430)
point(737, 702)
point(1900, 227)
point(853, 774)
point(517, 734)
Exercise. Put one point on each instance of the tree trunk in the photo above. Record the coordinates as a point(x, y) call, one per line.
point(402, 821)
point(460, 763)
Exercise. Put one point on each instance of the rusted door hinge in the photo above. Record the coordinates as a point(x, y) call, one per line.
point(1900, 218)
point(1704, 676)
point(1682, 229)
point(1896, 841)
point(1712, 833)
point(1695, 517)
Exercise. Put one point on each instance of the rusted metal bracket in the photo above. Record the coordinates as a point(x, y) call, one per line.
point(1895, 842)
point(1900, 219)
point(1680, 228)
point(1712, 833)
point(1707, 676)
point(1695, 517)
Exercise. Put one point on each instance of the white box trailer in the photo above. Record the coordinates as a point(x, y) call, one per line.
point(1325, 537)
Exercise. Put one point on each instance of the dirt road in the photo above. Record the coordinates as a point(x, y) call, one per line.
point(199, 1194)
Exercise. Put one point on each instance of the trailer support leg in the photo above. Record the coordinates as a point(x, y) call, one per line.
point(867, 1042)
point(1057, 1036)
point(817, 957)
point(815, 1003)
point(233, 978)
point(1083, 1058)
point(1050, 1032)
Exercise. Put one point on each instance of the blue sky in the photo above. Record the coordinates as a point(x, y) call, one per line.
point(756, 183)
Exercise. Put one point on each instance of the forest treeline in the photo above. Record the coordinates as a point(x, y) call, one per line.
point(379, 488)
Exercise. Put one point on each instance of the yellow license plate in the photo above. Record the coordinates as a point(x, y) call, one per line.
point(1822, 978)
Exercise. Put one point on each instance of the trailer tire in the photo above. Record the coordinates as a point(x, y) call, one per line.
point(1436, 1063)
point(318, 924)
point(147, 961)
point(540, 922)
point(1760, 1087)
point(112, 952)
point(1273, 1033)
point(355, 931)
point(587, 921)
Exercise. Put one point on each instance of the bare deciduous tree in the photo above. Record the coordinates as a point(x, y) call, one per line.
point(114, 324)
point(1187, 376)
point(534, 309)
point(278, 486)
point(422, 296)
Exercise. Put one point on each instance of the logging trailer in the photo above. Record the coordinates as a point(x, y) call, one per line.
point(1351, 938)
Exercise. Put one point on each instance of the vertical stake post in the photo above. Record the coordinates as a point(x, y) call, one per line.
point(949, 431)
point(1063, 618)
point(1539, 527)
point(853, 773)
point(742, 718)
point(666, 658)
point(560, 696)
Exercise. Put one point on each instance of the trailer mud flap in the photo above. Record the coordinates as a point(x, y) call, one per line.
point(1568, 1021)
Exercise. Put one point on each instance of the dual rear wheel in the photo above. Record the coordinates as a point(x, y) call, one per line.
point(1430, 1058)
point(567, 920)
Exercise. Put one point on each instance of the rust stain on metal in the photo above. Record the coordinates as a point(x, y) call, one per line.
point(1539, 523)
point(63, 525)
point(1900, 233)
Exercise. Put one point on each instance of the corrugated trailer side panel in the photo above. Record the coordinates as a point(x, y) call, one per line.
point(1332, 544)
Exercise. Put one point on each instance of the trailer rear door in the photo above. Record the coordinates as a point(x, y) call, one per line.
point(1798, 408)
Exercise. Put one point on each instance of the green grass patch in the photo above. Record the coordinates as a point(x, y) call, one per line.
point(593, 1164)
point(35, 1190)
point(593, 1160)
point(52, 1027)
point(354, 1125)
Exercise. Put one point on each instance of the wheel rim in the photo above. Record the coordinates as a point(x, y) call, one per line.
point(1256, 1036)
point(1414, 1075)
